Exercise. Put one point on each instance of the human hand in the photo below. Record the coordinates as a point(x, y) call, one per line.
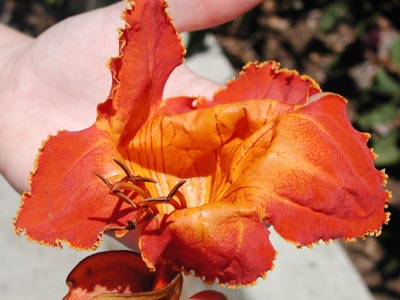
point(55, 82)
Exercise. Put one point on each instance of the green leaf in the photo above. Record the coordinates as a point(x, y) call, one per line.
point(381, 114)
point(387, 147)
point(394, 52)
point(331, 15)
point(386, 84)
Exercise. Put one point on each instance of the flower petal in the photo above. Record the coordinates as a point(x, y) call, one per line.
point(187, 145)
point(303, 169)
point(266, 81)
point(65, 194)
point(150, 49)
point(208, 295)
point(302, 165)
point(67, 201)
point(180, 144)
point(317, 179)
point(111, 271)
point(327, 175)
point(118, 275)
point(217, 240)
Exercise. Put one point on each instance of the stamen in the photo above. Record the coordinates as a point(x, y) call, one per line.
point(125, 197)
point(116, 191)
point(123, 167)
point(127, 185)
point(115, 228)
point(104, 180)
point(129, 174)
point(175, 189)
point(131, 225)
point(169, 198)
point(143, 179)
point(154, 200)
point(130, 187)
point(181, 198)
point(160, 200)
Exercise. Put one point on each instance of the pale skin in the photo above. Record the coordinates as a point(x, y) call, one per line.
point(54, 82)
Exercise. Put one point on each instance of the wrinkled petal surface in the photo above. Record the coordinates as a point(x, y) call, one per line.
point(67, 201)
point(322, 182)
point(150, 49)
point(302, 168)
point(217, 240)
point(66, 196)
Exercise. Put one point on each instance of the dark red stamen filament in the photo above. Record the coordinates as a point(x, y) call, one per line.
point(129, 187)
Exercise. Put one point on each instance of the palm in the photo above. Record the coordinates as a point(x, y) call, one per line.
point(69, 61)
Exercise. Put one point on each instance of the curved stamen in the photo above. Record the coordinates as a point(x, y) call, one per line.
point(109, 184)
point(129, 175)
point(125, 197)
point(116, 191)
point(169, 199)
point(130, 183)
point(130, 226)
point(175, 189)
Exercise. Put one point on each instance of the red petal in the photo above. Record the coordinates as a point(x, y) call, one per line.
point(208, 295)
point(112, 271)
point(217, 240)
point(117, 274)
point(316, 179)
point(66, 196)
point(149, 50)
point(266, 81)
point(67, 201)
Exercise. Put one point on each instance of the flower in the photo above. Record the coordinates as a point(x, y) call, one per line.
point(200, 179)
point(124, 275)
point(120, 274)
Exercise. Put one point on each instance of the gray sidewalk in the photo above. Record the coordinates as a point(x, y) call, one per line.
point(32, 272)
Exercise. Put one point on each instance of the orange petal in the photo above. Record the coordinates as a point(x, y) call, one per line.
point(316, 179)
point(217, 240)
point(150, 49)
point(304, 169)
point(181, 144)
point(67, 201)
point(266, 81)
point(118, 274)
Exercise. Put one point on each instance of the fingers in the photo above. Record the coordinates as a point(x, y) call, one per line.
point(190, 15)
point(190, 84)
point(187, 15)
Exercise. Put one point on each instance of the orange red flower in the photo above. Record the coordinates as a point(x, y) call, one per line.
point(200, 179)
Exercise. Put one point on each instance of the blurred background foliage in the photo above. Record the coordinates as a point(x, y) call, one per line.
point(350, 47)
